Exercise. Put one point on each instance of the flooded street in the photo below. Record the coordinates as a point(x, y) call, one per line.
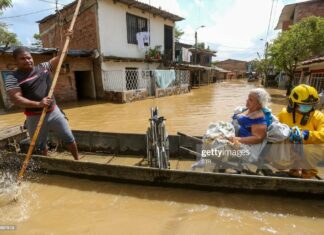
point(62, 205)
point(190, 113)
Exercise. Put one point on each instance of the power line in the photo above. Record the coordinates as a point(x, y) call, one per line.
point(30, 13)
point(269, 21)
point(274, 14)
point(52, 2)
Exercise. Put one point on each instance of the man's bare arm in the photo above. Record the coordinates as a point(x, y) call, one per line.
point(17, 98)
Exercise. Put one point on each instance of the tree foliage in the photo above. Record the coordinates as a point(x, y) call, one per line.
point(302, 41)
point(178, 33)
point(6, 38)
point(4, 4)
point(201, 45)
point(38, 41)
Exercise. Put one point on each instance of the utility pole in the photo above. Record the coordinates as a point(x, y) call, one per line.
point(196, 49)
point(196, 42)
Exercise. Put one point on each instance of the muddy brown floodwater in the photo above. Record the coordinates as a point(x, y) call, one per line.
point(63, 205)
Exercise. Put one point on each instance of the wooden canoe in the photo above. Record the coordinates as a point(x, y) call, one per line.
point(121, 157)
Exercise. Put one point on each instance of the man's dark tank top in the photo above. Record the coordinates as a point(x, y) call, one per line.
point(35, 85)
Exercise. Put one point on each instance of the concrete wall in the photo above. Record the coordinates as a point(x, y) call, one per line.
point(113, 29)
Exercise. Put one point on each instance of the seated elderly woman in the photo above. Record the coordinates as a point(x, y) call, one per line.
point(252, 121)
point(248, 132)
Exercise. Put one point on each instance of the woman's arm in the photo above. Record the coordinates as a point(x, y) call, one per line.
point(259, 132)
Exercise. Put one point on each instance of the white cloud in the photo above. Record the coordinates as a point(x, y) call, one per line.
point(239, 29)
point(200, 3)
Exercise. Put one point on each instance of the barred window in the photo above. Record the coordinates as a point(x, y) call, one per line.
point(317, 81)
point(131, 78)
point(297, 77)
point(135, 24)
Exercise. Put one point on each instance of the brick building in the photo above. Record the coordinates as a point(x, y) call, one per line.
point(110, 28)
point(310, 71)
point(238, 68)
point(293, 13)
point(76, 80)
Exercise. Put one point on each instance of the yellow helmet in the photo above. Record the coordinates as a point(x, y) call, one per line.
point(303, 94)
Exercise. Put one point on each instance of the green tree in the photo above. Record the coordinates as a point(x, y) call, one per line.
point(178, 33)
point(302, 41)
point(38, 41)
point(201, 45)
point(6, 37)
point(4, 4)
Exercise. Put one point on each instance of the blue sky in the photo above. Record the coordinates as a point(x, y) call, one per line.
point(236, 29)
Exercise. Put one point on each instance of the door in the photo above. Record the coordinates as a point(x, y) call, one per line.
point(168, 42)
point(85, 85)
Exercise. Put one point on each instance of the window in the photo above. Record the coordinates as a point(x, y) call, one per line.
point(207, 59)
point(131, 78)
point(296, 79)
point(135, 24)
point(317, 81)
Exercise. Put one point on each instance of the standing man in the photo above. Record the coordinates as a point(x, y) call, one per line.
point(28, 88)
point(308, 123)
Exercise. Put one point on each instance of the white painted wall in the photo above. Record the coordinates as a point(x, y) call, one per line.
point(113, 29)
point(113, 74)
point(109, 65)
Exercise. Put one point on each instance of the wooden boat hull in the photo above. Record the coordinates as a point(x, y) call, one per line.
point(135, 145)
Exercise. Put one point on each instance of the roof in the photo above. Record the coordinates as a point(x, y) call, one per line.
point(200, 67)
point(220, 69)
point(130, 3)
point(287, 13)
point(232, 61)
point(179, 45)
point(314, 60)
point(47, 51)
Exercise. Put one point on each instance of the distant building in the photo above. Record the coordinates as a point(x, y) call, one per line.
point(238, 68)
point(204, 56)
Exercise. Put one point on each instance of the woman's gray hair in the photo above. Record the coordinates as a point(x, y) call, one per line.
point(263, 96)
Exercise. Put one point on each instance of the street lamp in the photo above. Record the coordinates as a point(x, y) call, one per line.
point(196, 43)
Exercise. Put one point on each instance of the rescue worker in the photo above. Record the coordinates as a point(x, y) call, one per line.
point(308, 124)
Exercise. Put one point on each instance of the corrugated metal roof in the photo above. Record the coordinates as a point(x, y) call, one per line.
point(47, 51)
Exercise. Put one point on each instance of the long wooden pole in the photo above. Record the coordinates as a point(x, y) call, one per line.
point(50, 94)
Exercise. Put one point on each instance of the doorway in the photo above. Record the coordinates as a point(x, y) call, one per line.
point(168, 42)
point(85, 85)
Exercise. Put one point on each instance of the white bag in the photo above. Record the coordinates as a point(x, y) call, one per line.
point(277, 131)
